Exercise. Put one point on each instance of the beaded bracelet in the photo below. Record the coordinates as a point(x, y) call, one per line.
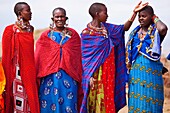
point(155, 19)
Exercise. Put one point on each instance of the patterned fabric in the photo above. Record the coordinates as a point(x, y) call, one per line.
point(101, 98)
point(146, 86)
point(20, 97)
point(95, 50)
point(25, 49)
point(49, 59)
point(58, 91)
point(148, 46)
point(96, 95)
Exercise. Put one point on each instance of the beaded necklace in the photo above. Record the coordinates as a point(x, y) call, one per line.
point(23, 26)
point(65, 32)
point(99, 30)
point(141, 34)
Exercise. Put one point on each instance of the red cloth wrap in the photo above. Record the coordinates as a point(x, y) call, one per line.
point(48, 59)
point(27, 67)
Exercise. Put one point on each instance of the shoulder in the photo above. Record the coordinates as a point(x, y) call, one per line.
point(112, 25)
point(44, 33)
point(70, 31)
point(85, 31)
point(7, 34)
point(9, 27)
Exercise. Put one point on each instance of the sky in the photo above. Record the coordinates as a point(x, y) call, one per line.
point(119, 12)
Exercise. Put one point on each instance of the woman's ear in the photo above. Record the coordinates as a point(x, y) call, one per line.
point(52, 18)
point(19, 13)
point(66, 18)
point(97, 14)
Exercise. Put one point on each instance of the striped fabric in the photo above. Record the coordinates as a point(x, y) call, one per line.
point(95, 50)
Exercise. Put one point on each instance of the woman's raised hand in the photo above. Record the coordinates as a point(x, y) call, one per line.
point(140, 6)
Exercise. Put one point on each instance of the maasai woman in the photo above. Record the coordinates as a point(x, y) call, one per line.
point(18, 62)
point(58, 61)
point(143, 61)
point(103, 57)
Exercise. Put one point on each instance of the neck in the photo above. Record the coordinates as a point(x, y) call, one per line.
point(96, 23)
point(144, 29)
point(24, 21)
point(59, 29)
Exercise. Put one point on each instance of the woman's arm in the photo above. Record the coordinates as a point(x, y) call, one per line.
point(161, 27)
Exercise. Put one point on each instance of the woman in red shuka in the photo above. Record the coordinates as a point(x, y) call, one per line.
point(18, 62)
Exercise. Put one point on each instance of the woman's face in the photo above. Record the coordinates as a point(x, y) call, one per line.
point(145, 18)
point(59, 18)
point(103, 14)
point(26, 13)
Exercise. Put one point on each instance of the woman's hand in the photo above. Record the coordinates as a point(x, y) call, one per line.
point(140, 6)
point(92, 80)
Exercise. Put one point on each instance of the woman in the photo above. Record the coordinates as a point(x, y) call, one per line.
point(143, 62)
point(18, 62)
point(103, 57)
point(58, 61)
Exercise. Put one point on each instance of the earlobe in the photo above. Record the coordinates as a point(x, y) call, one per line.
point(19, 13)
point(97, 13)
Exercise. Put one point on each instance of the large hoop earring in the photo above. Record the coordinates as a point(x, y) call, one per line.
point(20, 22)
point(52, 25)
point(67, 23)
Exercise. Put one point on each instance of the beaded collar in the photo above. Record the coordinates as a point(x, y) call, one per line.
point(101, 31)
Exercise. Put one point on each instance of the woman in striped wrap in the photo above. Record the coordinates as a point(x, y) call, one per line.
point(103, 58)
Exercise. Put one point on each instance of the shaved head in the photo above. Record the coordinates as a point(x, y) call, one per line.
point(148, 9)
point(61, 9)
point(19, 7)
point(95, 7)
